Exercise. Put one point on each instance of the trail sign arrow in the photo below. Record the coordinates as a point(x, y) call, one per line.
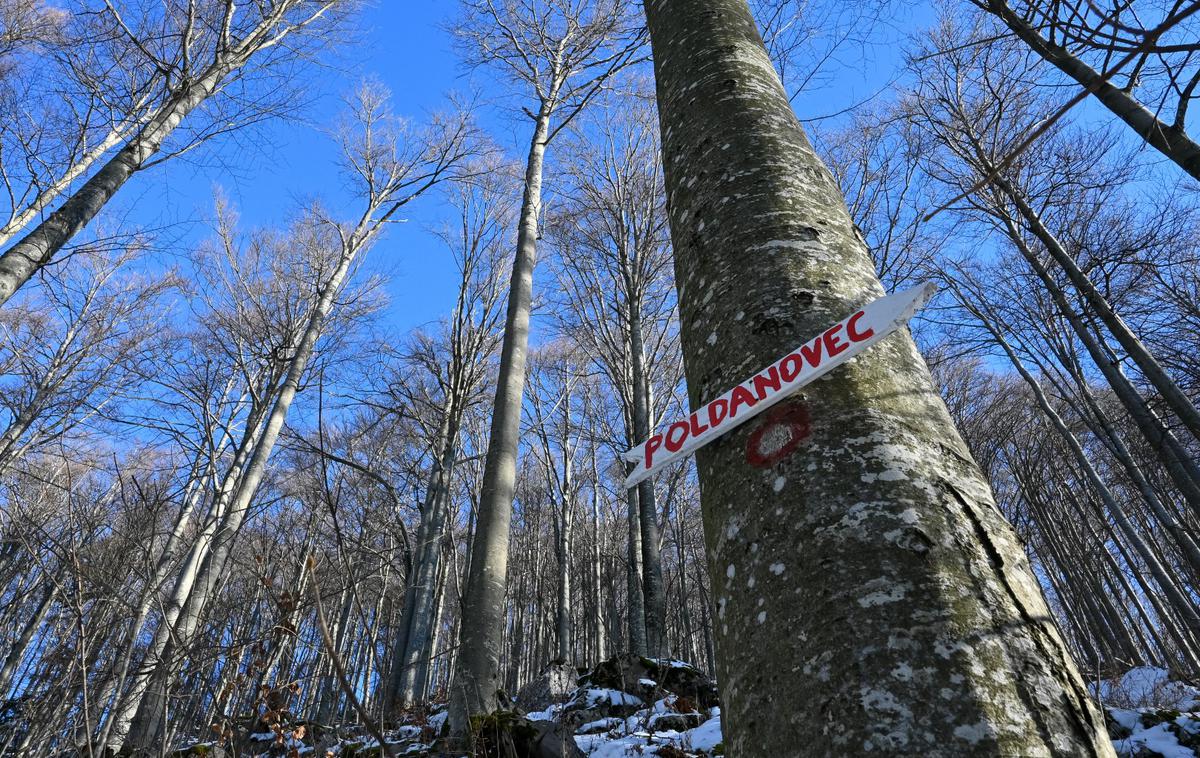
point(812, 360)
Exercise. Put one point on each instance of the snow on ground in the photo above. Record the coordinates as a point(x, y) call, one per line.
point(1148, 714)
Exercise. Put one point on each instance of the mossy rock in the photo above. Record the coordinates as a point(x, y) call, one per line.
point(626, 673)
point(508, 734)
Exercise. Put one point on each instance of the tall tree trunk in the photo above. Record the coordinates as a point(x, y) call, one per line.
point(477, 674)
point(201, 573)
point(562, 622)
point(597, 587)
point(413, 667)
point(875, 546)
point(653, 601)
point(633, 576)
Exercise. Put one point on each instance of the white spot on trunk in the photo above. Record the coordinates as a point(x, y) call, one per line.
point(974, 733)
point(778, 486)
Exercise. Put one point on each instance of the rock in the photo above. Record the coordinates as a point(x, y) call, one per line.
point(635, 674)
point(553, 740)
point(594, 703)
point(674, 722)
point(201, 750)
point(554, 684)
point(508, 734)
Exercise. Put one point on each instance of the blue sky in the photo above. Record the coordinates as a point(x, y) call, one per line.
point(404, 44)
point(267, 174)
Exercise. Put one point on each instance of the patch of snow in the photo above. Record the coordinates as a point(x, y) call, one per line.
point(1157, 739)
point(1148, 687)
point(603, 695)
point(704, 737)
point(547, 715)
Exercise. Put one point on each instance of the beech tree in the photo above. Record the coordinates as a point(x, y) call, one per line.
point(160, 65)
point(560, 53)
point(1139, 65)
point(875, 547)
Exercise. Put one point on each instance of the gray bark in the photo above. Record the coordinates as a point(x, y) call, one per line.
point(477, 672)
point(867, 580)
point(633, 576)
point(653, 599)
point(415, 664)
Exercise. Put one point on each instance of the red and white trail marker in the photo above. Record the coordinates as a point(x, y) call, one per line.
point(812, 360)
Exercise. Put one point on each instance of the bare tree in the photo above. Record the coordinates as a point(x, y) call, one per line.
point(560, 53)
point(272, 320)
point(1115, 51)
point(457, 364)
point(172, 60)
point(613, 265)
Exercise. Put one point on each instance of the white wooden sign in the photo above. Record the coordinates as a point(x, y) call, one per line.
point(812, 360)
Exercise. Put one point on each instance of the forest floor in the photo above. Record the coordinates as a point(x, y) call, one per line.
point(633, 707)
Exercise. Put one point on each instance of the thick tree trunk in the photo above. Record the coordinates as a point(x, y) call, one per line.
point(477, 674)
point(866, 579)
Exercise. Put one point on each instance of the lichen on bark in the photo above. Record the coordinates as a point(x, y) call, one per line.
point(870, 597)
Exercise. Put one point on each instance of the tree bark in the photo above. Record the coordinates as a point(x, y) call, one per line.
point(867, 579)
point(653, 601)
point(477, 673)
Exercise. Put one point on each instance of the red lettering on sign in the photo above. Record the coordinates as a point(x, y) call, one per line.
point(652, 444)
point(833, 345)
point(694, 420)
point(741, 396)
point(769, 381)
point(812, 352)
point(715, 417)
point(790, 366)
point(852, 329)
point(673, 442)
